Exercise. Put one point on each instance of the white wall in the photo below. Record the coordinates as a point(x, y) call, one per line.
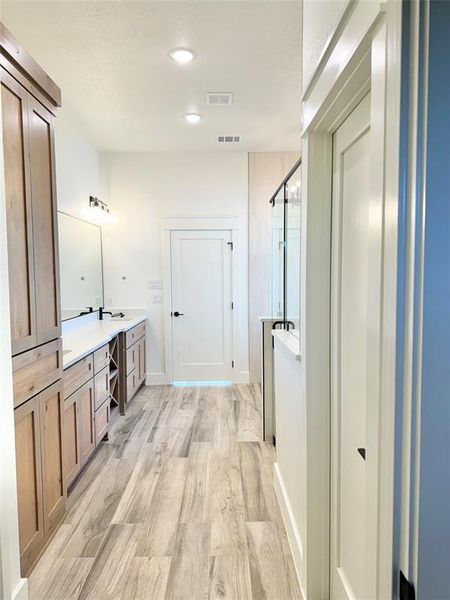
point(291, 467)
point(320, 20)
point(143, 188)
point(77, 165)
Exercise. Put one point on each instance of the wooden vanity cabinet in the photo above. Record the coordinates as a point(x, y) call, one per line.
point(134, 372)
point(40, 485)
point(86, 409)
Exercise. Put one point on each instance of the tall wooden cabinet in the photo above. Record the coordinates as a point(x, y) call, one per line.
point(29, 101)
point(31, 216)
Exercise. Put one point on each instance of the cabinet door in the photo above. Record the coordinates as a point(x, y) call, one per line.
point(52, 458)
point(86, 422)
point(141, 361)
point(132, 358)
point(29, 481)
point(43, 196)
point(131, 384)
point(18, 214)
point(101, 382)
point(71, 446)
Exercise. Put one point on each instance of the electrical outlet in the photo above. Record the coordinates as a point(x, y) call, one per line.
point(157, 299)
point(154, 284)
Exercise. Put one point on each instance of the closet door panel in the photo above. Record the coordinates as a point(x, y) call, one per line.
point(18, 213)
point(43, 192)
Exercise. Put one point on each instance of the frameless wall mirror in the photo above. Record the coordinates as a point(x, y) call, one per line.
point(80, 263)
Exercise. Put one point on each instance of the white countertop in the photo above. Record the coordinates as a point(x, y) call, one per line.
point(81, 341)
point(290, 341)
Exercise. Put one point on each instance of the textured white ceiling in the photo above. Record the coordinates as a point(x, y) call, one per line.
point(111, 61)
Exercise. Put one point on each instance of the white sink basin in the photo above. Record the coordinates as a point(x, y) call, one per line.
point(123, 319)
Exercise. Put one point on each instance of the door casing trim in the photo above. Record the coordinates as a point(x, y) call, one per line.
point(365, 55)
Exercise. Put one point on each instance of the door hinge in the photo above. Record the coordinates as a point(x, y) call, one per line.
point(232, 306)
point(231, 244)
point(232, 364)
point(407, 591)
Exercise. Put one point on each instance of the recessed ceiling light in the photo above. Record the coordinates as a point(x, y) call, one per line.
point(192, 117)
point(181, 55)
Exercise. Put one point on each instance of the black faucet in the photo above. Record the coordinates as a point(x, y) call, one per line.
point(89, 310)
point(102, 312)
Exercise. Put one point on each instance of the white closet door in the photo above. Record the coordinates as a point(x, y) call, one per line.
point(201, 296)
point(352, 283)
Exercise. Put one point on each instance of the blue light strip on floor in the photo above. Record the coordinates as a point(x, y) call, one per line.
point(201, 383)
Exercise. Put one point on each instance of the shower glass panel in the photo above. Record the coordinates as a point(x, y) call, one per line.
point(292, 236)
point(278, 255)
point(286, 247)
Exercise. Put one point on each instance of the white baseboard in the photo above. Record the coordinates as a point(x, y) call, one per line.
point(157, 379)
point(21, 590)
point(242, 377)
point(293, 535)
point(162, 378)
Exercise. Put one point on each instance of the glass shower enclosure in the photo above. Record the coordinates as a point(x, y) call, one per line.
point(286, 249)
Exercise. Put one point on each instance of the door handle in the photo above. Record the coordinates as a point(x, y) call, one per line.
point(177, 314)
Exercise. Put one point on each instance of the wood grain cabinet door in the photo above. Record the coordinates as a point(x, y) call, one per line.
point(29, 481)
point(101, 383)
point(50, 408)
point(141, 365)
point(86, 420)
point(45, 228)
point(71, 446)
point(18, 213)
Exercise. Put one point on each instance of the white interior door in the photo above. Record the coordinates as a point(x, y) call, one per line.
point(355, 283)
point(201, 265)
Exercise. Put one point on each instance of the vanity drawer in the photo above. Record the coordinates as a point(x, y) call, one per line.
point(77, 375)
point(101, 385)
point(35, 370)
point(101, 422)
point(134, 334)
point(132, 354)
point(101, 358)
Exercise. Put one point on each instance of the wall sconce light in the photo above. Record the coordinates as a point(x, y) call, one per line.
point(98, 205)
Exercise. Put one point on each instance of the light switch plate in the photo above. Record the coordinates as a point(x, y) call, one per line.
point(155, 284)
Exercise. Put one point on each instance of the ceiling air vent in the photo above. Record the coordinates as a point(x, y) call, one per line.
point(219, 98)
point(229, 139)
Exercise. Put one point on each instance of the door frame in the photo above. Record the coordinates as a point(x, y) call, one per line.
point(363, 55)
point(239, 314)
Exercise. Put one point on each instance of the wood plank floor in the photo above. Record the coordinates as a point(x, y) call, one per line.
point(177, 505)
